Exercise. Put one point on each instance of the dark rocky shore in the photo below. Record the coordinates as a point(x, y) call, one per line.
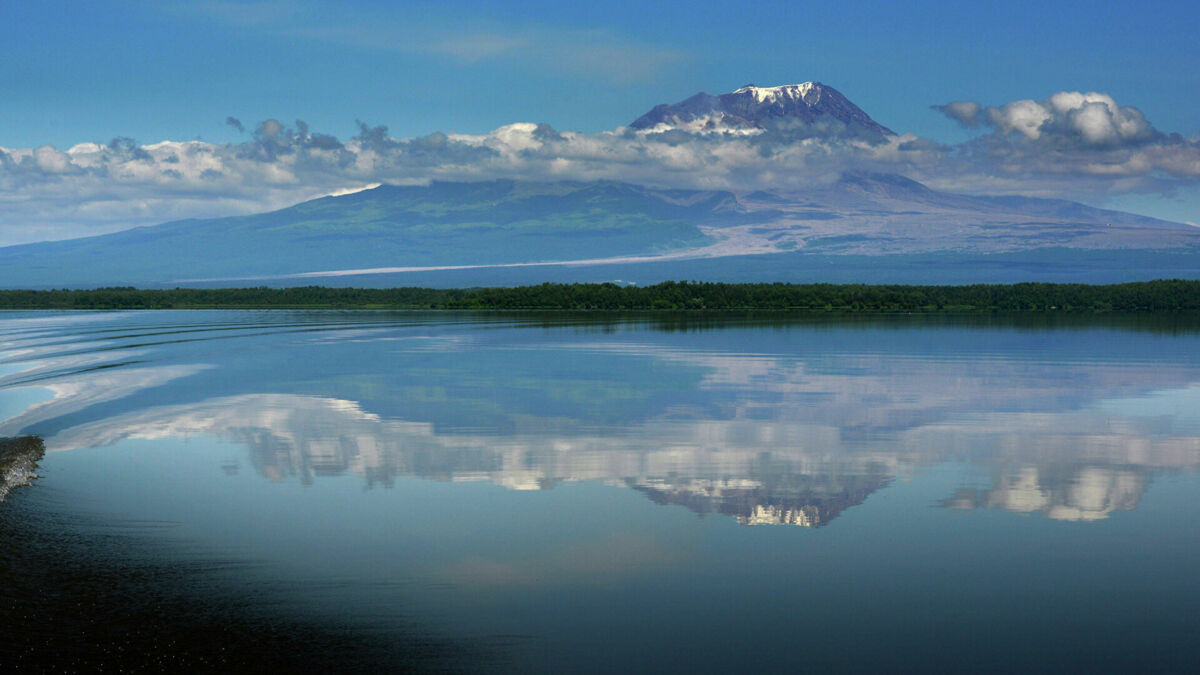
point(18, 459)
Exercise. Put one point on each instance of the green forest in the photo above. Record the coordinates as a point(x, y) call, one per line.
point(1149, 296)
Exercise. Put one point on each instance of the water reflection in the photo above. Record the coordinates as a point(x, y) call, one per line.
point(1068, 466)
point(792, 425)
point(1061, 493)
point(517, 465)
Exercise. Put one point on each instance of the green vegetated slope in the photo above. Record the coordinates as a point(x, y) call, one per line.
point(1165, 295)
point(442, 224)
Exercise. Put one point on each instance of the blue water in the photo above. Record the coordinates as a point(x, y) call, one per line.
point(590, 492)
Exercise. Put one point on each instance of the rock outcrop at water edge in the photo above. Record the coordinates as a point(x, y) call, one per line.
point(18, 460)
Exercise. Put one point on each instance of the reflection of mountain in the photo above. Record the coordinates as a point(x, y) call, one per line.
point(755, 471)
point(778, 422)
point(801, 473)
point(79, 391)
point(808, 501)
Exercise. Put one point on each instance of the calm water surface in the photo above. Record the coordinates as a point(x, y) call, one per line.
point(566, 492)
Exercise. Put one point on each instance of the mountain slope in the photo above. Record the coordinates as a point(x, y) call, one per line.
point(493, 222)
point(862, 223)
point(885, 214)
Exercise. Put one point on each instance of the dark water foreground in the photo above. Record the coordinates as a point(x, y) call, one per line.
point(84, 594)
point(85, 597)
point(366, 491)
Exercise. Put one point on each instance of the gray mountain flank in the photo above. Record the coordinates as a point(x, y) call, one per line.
point(570, 227)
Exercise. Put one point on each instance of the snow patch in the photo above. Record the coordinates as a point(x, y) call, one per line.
point(349, 191)
point(796, 92)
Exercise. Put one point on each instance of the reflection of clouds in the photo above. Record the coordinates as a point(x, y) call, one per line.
point(1087, 493)
point(1068, 466)
point(299, 435)
point(1041, 438)
point(72, 394)
point(1072, 465)
point(719, 466)
point(794, 437)
point(888, 392)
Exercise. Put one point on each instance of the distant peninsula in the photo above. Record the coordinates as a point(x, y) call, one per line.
point(1147, 296)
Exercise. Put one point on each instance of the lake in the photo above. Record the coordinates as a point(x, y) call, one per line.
point(557, 492)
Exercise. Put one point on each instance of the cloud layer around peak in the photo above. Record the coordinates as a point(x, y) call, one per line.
point(93, 187)
point(1071, 144)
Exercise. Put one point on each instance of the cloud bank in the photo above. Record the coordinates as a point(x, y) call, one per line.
point(1066, 119)
point(1071, 144)
point(1078, 143)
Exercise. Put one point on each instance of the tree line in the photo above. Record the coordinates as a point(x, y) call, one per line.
point(1148, 296)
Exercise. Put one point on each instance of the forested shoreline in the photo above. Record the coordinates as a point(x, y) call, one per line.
point(1163, 295)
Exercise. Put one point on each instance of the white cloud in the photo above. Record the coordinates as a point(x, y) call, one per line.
point(1066, 119)
point(1025, 117)
point(1071, 144)
point(94, 188)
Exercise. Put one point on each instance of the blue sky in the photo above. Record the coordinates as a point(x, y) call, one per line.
point(150, 71)
point(102, 69)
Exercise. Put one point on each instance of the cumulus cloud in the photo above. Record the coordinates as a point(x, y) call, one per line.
point(1068, 118)
point(1072, 118)
point(1071, 144)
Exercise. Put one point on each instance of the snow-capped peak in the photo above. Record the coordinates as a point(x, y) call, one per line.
point(752, 110)
point(771, 94)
